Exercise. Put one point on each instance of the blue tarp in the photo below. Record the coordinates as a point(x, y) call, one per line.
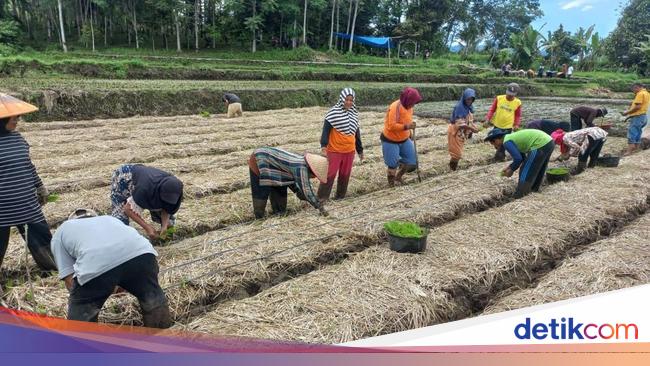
point(377, 42)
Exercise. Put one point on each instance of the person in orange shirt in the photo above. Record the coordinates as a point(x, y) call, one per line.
point(638, 116)
point(340, 139)
point(396, 143)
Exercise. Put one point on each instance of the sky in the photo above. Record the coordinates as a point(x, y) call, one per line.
point(573, 14)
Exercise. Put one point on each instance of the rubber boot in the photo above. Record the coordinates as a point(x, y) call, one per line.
point(453, 165)
point(390, 174)
point(341, 190)
point(259, 208)
point(403, 169)
point(324, 190)
point(157, 318)
point(592, 162)
point(580, 168)
point(278, 203)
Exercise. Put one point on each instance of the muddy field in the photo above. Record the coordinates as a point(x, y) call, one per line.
point(229, 274)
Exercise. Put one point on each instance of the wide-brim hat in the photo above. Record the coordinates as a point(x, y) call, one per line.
point(11, 107)
point(495, 134)
point(318, 165)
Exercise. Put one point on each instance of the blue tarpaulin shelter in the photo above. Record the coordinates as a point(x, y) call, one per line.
point(377, 42)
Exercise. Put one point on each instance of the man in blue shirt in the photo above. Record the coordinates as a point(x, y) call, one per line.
point(96, 256)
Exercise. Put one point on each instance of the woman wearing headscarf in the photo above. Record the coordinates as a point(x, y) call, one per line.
point(586, 144)
point(135, 188)
point(461, 127)
point(396, 143)
point(23, 192)
point(340, 139)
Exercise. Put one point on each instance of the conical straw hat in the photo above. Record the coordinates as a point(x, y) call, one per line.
point(318, 166)
point(10, 106)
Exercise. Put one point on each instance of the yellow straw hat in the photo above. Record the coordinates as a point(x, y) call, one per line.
point(11, 107)
point(318, 165)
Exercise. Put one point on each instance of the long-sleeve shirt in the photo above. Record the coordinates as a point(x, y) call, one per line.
point(506, 113)
point(578, 141)
point(18, 183)
point(279, 168)
point(587, 114)
point(337, 142)
point(396, 118)
point(523, 142)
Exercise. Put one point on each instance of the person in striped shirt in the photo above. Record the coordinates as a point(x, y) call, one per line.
point(23, 192)
point(340, 139)
point(273, 170)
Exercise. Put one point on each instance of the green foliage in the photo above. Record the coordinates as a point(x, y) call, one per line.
point(52, 198)
point(204, 114)
point(558, 171)
point(526, 47)
point(404, 229)
point(621, 45)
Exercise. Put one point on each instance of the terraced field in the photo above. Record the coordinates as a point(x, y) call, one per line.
point(316, 279)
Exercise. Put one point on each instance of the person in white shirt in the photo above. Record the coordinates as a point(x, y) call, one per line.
point(569, 73)
point(97, 256)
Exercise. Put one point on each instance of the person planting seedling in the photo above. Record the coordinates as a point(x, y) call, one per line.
point(585, 114)
point(505, 115)
point(273, 170)
point(461, 127)
point(530, 150)
point(97, 256)
point(397, 143)
point(233, 105)
point(135, 188)
point(586, 144)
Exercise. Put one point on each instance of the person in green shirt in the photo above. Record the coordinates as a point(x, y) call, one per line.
point(531, 150)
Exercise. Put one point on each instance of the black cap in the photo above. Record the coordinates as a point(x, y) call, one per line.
point(495, 134)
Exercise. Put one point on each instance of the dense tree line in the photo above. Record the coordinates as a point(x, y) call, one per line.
point(251, 24)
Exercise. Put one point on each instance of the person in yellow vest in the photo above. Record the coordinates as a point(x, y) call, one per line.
point(505, 115)
point(637, 114)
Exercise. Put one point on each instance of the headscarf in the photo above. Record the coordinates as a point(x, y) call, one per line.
point(3, 127)
point(558, 138)
point(461, 110)
point(410, 97)
point(346, 121)
point(157, 189)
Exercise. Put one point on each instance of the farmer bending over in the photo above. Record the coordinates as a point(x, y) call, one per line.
point(548, 126)
point(587, 115)
point(273, 170)
point(135, 188)
point(530, 150)
point(585, 144)
point(233, 105)
point(505, 115)
point(99, 256)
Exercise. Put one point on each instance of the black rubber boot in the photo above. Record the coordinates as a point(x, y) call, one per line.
point(324, 190)
point(390, 174)
point(278, 203)
point(157, 318)
point(453, 165)
point(580, 168)
point(341, 190)
point(403, 169)
point(259, 208)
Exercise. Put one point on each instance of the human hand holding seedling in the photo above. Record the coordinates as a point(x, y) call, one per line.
point(323, 151)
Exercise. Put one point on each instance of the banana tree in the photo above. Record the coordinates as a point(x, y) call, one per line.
point(525, 46)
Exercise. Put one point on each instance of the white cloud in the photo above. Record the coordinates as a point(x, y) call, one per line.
point(575, 4)
point(587, 7)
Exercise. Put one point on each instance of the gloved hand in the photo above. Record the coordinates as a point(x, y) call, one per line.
point(42, 194)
